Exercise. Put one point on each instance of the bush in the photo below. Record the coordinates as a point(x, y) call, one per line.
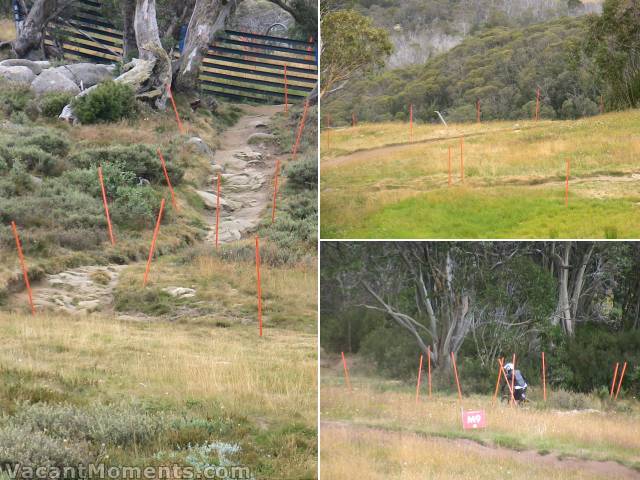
point(136, 207)
point(109, 424)
point(108, 102)
point(30, 448)
point(48, 140)
point(51, 104)
point(303, 174)
point(14, 97)
point(37, 160)
point(139, 159)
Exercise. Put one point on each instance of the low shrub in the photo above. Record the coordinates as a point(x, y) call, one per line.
point(142, 160)
point(14, 97)
point(37, 160)
point(108, 102)
point(48, 140)
point(303, 174)
point(136, 207)
point(50, 105)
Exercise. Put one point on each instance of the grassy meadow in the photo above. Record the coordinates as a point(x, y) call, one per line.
point(375, 183)
point(7, 30)
point(567, 435)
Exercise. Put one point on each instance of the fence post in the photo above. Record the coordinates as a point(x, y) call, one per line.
point(153, 243)
point(259, 282)
point(544, 379)
point(419, 378)
point(613, 383)
point(455, 371)
point(25, 273)
point(624, 368)
point(429, 367)
point(346, 372)
point(106, 206)
point(217, 208)
point(166, 177)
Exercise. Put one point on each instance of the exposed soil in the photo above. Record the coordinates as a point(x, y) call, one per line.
point(608, 469)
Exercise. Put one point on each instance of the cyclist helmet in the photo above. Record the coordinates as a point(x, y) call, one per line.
point(508, 367)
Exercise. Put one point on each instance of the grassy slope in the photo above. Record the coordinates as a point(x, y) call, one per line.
point(390, 406)
point(7, 30)
point(513, 187)
point(196, 361)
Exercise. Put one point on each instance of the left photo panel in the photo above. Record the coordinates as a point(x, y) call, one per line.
point(158, 239)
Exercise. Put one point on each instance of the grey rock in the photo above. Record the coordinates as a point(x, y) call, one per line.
point(180, 292)
point(18, 74)
point(200, 145)
point(261, 137)
point(20, 62)
point(53, 81)
point(210, 200)
point(85, 74)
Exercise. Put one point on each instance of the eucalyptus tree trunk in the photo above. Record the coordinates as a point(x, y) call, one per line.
point(30, 36)
point(128, 31)
point(207, 18)
point(150, 50)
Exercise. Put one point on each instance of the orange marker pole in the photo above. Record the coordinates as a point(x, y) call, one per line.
point(153, 244)
point(286, 91)
point(601, 104)
point(462, 159)
point(217, 208)
point(346, 372)
point(544, 379)
point(419, 378)
point(449, 166)
point(106, 206)
point(495, 394)
point(166, 177)
point(624, 368)
point(353, 119)
point(566, 186)
point(613, 383)
point(259, 284)
point(275, 191)
point(300, 129)
point(411, 123)
point(25, 274)
point(455, 371)
point(175, 110)
point(513, 380)
point(429, 368)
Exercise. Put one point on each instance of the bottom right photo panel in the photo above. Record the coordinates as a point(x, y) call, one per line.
point(480, 360)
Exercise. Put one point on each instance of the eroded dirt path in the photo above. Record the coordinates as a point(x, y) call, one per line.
point(607, 469)
point(246, 169)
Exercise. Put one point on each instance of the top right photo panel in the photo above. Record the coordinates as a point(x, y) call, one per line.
point(474, 119)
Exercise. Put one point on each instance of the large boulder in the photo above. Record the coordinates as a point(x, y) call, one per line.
point(52, 80)
point(17, 74)
point(19, 62)
point(85, 75)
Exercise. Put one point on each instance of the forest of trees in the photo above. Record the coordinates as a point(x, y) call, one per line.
point(577, 301)
point(583, 64)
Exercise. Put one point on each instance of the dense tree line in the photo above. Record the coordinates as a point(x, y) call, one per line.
point(502, 67)
point(577, 301)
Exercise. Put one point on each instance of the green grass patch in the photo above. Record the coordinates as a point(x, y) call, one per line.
point(497, 213)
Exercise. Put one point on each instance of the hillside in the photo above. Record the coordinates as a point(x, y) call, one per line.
point(420, 29)
point(113, 371)
point(502, 67)
point(378, 184)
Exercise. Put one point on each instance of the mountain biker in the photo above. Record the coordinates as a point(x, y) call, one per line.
point(519, 383)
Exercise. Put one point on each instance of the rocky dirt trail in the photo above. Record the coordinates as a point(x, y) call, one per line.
point(606, 469)
point(246, 167)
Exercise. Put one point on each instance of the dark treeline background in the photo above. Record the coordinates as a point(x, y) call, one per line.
point(450, 53)
point(579, 302)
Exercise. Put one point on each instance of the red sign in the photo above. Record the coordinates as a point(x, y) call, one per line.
point(474, 419)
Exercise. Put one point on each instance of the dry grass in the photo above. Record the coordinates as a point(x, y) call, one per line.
point(380, 455)
point(7, 30)
point(591, 434)
point(272, 377)
point(357, 185)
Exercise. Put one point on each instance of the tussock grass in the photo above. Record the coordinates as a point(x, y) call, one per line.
point(261, 390)
point(598, 434)
point(377, 454)
point(514, 175)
